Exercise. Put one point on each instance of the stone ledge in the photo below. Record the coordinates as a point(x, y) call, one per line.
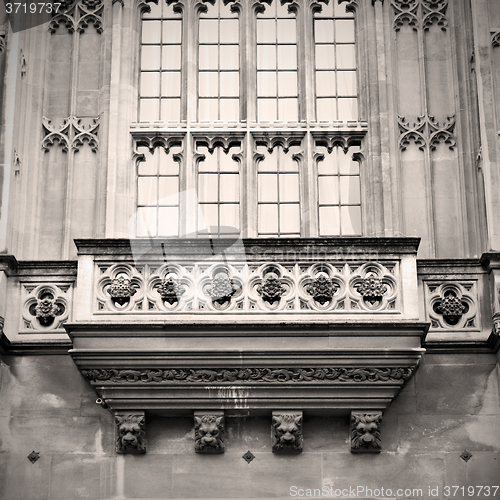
point(358, 368)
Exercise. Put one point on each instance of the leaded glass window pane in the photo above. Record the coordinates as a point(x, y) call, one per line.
point(277, 70)
point(218, 64)
point(160, 70)
point(339, 191)
point(335, 64)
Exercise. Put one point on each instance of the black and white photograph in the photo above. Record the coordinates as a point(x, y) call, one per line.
point(249, 249)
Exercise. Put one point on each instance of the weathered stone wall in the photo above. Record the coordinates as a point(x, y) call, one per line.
point(451, 404)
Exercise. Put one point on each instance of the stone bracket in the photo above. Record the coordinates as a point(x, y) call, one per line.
point(130, 432)
point(365, 432)
point(209, 432)
point(286, 431)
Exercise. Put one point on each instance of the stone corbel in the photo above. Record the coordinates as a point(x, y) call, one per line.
point(365, 432)
point(209, 432)
point(130, 432)
point(286, 431)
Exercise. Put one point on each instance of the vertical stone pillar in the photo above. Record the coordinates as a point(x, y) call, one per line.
point(130, 432)
point(365, 432)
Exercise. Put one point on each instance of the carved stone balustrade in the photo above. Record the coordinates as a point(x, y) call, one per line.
point(197, 279)
point(294, 324)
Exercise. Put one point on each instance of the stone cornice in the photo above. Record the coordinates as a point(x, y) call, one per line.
point(152, 366)
point(236, 328)
point(52, 268)
point(255, 248)
point(490, 260)
point(8, 264)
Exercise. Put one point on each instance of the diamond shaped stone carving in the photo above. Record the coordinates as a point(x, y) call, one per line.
point(248, 456)
point(33, 456)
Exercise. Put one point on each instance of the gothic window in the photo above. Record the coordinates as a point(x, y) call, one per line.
point(161, 49)
point(219, 64)
point(335, 64)
point(262, 143)
point(277, 85)
point(338, 191)
point(278, 191)
point(219, 187)
point(158, 191)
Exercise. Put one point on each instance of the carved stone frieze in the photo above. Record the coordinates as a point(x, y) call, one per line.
point(71, 133)
point(250, 375)
point(286, 432)
point(452, 305)
point(426, 132)
point(130, 432)
point(365, 432)
point(209, 432)
point(420, 14)
point(242, 287)
point(46, 307)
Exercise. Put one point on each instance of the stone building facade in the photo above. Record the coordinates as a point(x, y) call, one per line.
point(250, 249)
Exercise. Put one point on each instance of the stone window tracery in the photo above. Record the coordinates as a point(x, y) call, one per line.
point(263, 145)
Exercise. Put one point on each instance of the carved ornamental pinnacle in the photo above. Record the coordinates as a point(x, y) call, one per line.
point(286, 432)
point(322, 289)
point(365, 432)
point(170, 290)
point(271, 289)
point(130, 433)
point(121, 290)
point(209, 432)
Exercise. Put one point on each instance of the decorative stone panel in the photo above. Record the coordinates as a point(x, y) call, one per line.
point(286, 431)
point(209, 432)
point(373, 287)
point(452, 305)
point(365, 432)
point(243, 287)
point(46, 307)
point(130, 432)
point(120, 287)
point(455, 300)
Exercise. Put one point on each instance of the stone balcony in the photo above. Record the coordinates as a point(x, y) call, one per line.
point(194, 324)
point(203, 280)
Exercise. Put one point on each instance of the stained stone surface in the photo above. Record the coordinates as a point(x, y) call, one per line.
point(419, 448)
